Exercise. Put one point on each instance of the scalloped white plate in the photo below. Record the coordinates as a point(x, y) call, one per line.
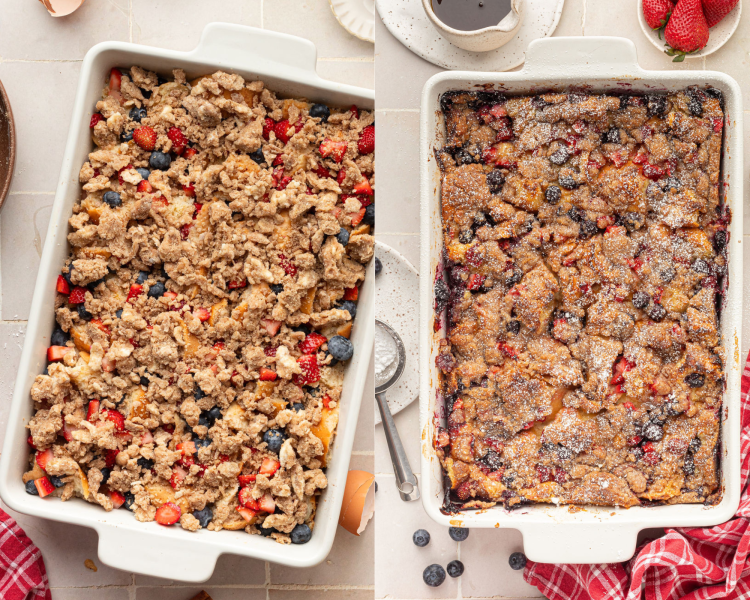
point(356, 16)
point(718, 35)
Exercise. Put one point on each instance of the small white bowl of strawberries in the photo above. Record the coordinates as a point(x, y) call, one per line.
point(689, 28)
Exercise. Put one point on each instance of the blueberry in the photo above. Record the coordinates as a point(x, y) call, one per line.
point(695, 106)
point(495, 181)
point(567, 182)
point(159, 161)
point(333, 362)
point(126, 136)
point(129, 500)
point(146, 93)
point(199, 443)
point(517, 561)
point(421, 537)
point(95, 284)
point(204, 516)
point(513, 327)
point(160, 80)
point(277, 288)
point(671, 183)
point(303, 329)
point(466, 236)
point(560, 156)
point(350, 307)
point(668, 274)
point(31, 488)
point(514, 277)
point(720, 240)
point(136, 114)
point(265, 531)
point(274, 438)
point(301, 534)
point(657, 312)
point(653, 432)
point(576, 214)
point(455, 568)
point(442, 293)
point(67, 275)
point(144, 173)
point(611, 136)
point(343, 236)
point(105, 475)
point(701, 266)
point(112, 199)
point(688, 465)
point(694, 445)
point(118, 313)
point(369, 218)
point(320, 111)
point(198, 393)
point(657, 105)
point(641, 299)
point(83, 313)
point(214, 415)
point(144, 381)
point(298, 407)
point(695, 380)
point(203, 419)
point(145, 463)
point(257, 156)
point(157, 290)
point(142, 277)
point(59, 337)
point(564, 453)
point(588, 228)
point(379, 266)
point(434, 575)
point(340, 348)
point(56, 481)
point(458, 534)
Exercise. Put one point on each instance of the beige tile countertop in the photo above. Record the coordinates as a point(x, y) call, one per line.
point(399, 78)
point(39, 62)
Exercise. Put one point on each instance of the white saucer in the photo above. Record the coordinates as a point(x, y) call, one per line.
point(409, 24)
point(718, 35)
point(397, 293)
point(356, 16)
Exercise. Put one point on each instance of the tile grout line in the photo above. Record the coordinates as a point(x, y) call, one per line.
point(583, 19)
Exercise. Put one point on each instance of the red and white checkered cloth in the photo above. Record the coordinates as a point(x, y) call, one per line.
point(22, 572)
point(690, 564)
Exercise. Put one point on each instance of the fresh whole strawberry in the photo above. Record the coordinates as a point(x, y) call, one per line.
point(366, 143)
point(145, 137)
point(687, 29)
point(716, 10)
point(657, 12)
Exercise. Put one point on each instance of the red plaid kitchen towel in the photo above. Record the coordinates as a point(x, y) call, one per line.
point(22, 572)
point(692, 564)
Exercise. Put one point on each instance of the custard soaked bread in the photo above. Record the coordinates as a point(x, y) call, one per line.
point(585, 247)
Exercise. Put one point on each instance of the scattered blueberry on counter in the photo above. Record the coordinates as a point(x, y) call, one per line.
point(455, 568)
point(434, 575)
point(421, 537)
point(458, 534)
point(517, 561)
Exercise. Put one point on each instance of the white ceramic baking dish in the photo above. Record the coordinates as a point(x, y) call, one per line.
point(287, 64)
point(555, 534)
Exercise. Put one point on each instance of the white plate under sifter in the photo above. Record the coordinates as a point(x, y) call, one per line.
point(356, 16)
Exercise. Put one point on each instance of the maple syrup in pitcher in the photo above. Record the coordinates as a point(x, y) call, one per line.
point(470, 15)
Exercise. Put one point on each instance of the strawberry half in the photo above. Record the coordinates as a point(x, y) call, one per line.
point(168, 514)
point(322, 172)
point(145, 137)
point(269, 466)
point(358, 216)
point(78, 295)
point(43, 458)
point(246, 499)
point(44, 486)
point(310, 370)
point(312, 342)
point(333, 148)
point(55, 353)
point(687, 29)
point(115, 80)
point(178, 139)
point(247, 514)
point(267, 374)
point(366, 143)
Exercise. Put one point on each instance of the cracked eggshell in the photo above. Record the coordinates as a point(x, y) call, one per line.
point(61, 8)
point(359, 501)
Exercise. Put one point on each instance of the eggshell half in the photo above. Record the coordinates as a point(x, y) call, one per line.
point(359, 501)
point(61, 8)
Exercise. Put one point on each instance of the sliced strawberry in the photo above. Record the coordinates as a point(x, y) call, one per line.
point(93, 408)
point(278, 161)
point(363, 187)
point(55, 353)
point(146, 438)
point(235, 285)
point(475, 282)
point(351, 294)
point(333, 148)
point(100, 326)
point(357, 217)
point(190, 153)
point(185, 231)
point(272, 326)
point(169, 296)
point(189, 190)
point(289, 268)
point(168, 514)
point(115, 417)
point(312, 342)
point(366, 143)
point(269, 466)
point(144, 187)
point(326, 401)
point(267, 503)
point(120, 180)
point(186, 448)
point(30, 439)
point(634, 441)
point(135, 290)
point(95, 118)
point(109, 458)
point(178, 139)
point(247, 479)
point(310, 370)
point(115, 80)
point(341, 176)
point(178, 476)
point(42, 458)
point(652, 172)
point(44, 486)
point(62, 286)
point(322, 172)
point(203, 314)
point(267, 374)
point(355, 111)
point(78, 295)
point(117, 499)
point(247, 513)
point(270, 350)
point(365, 201)
point(108, 364)
point(145, 137)
point(284, 131)
point(268, 126)
point(246, 499)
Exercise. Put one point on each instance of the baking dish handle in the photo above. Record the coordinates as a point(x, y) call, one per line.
point(162, 555)
point(587, 56)
point(583, 543)
point(261, 49)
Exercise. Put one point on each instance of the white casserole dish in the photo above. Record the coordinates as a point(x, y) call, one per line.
point(287, 64)
point(554, 534)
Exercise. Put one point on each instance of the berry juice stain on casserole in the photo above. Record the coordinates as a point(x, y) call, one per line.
point(203, 317)
point(584, 251)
